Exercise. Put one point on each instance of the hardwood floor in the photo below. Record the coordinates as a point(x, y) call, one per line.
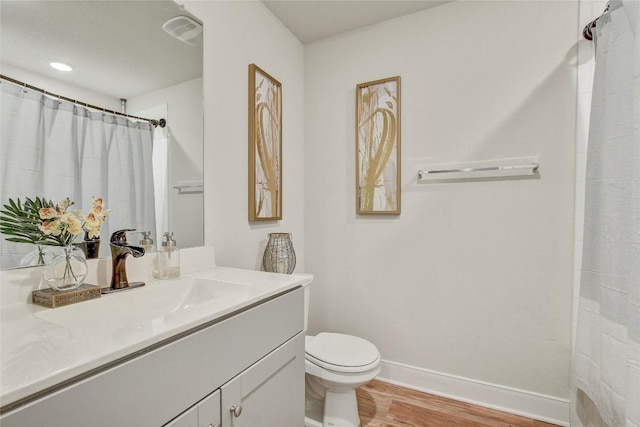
point(386, 405)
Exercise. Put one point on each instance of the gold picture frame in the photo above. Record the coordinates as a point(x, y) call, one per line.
point(378, 147)
point(265, 146)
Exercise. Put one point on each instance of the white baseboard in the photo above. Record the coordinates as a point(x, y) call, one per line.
point(520, 402)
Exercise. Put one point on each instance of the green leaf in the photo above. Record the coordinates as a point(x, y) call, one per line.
point(19, 240)
point(21, 221)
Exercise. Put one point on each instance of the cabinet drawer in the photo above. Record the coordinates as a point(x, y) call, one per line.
point(150, 390)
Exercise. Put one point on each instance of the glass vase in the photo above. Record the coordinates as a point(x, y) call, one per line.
point(279, 256)
point(39, 256)
point(67, 270)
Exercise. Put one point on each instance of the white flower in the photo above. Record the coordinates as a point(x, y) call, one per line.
point(51, 228)
point(65, 203)
point(47, 213)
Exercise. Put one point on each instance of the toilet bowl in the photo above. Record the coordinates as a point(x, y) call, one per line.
point(336, 365)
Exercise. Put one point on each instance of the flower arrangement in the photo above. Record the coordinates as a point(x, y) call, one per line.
point(40, 221)
point(94, 219)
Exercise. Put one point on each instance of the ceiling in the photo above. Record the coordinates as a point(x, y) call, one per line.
point(118, 48)
point(312, 20)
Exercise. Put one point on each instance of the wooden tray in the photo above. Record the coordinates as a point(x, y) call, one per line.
point(53, 298)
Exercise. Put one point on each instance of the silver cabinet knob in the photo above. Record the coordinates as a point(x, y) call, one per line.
point(213, 425)
point(236, 410)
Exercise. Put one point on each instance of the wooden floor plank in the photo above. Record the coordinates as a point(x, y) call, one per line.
point(387, 405)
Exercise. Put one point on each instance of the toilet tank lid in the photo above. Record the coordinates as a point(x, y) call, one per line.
point(342, 349)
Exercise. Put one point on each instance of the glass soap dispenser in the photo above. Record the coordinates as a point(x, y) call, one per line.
point(168, 261)
point(146, 242)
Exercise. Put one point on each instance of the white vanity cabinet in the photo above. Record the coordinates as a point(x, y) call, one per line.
point(253, 358)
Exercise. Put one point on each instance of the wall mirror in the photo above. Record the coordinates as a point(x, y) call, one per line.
point(121, 59)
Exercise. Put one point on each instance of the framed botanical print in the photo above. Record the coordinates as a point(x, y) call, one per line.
point(265, 146)
point(378, 147)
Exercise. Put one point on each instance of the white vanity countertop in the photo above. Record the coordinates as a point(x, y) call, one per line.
point(41, 347)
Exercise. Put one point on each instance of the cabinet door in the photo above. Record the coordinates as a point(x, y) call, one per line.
point(205, 413)
point(209, 411)
point(270, 393)
point(188, 418)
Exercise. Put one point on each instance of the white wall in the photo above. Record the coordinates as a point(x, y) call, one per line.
point(185, 126)
point(237, 34)
point(473, 279)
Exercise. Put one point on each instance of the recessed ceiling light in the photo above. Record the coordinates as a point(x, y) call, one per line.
point(60, 66)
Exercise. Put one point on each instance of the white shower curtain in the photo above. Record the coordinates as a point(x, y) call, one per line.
point(607, 354)
point(161, 143)
point(56, 149)
point(161, 179)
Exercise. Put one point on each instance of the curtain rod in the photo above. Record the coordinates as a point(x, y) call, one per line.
point(162, 122)
point(587, 32)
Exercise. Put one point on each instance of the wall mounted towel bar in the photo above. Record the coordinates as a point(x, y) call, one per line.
point(190, 186)
point(183, 187)
point(506, 170)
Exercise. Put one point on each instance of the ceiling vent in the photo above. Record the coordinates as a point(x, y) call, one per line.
point(183, 28)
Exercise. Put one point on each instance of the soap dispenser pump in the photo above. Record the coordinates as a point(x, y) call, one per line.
point(168, 261)
point(146, 242)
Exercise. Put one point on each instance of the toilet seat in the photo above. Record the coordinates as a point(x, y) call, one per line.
point(341, 352)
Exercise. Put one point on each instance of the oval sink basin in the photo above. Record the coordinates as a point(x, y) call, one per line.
point(172, 301)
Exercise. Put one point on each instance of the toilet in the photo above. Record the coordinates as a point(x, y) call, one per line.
point(335, 366)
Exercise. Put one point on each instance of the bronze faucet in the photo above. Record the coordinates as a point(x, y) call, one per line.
point(119, 251)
